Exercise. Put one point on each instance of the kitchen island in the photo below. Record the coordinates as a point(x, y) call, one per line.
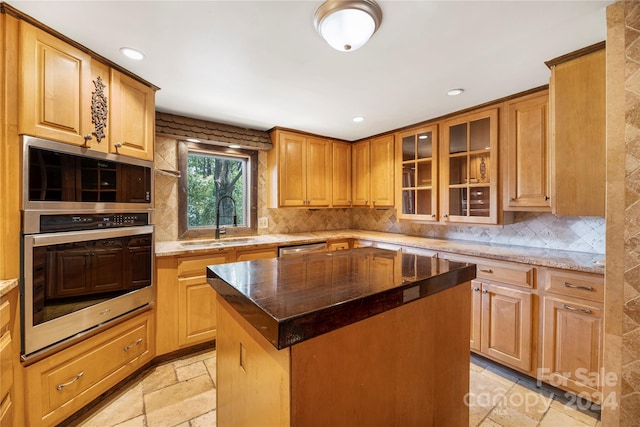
point(359, 337)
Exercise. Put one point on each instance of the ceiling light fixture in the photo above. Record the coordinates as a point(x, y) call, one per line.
point(235, 146)
point(192, 140)
point(455, 92)
point(358, 119)
point(132, 53)
point(347, 24)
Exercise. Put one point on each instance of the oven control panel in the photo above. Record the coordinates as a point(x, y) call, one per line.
point(91, 221)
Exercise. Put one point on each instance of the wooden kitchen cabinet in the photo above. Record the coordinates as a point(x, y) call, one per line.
point(9, 351)
point(525, 155)
point(503, 312)
point(299, 171)
point(186, 307)
point(55, 100)
point(577, 105)
point(572, 332)
point(132, 117)
point(341, 176)
point(65, 382)
point(417, 174)
point(468, 168)
point(373, 167)
point(257, 253)
point(338, 245)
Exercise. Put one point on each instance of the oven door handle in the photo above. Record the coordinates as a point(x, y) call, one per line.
point(81, 236)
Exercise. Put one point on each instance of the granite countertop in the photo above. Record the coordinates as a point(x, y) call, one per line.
point(7, 285)
point(578, 261)
point(292, 299)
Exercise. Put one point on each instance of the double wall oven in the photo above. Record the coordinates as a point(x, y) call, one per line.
point(87, 241)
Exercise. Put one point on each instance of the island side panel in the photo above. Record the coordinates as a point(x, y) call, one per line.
point(408, 366)
point(252, 376)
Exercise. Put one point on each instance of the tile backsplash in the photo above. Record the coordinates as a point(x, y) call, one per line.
point(541, 230)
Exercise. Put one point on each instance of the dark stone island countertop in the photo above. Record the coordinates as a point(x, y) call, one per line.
point(292, 299)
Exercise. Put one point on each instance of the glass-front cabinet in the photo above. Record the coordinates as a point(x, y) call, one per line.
point(468, 161)
point(417, 151)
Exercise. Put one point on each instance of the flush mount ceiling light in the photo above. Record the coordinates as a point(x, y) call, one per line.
point(347, 24)
point(358, 119)
point(455, 92)
point(132, 53)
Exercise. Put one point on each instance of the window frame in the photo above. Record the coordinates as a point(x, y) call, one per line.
point(186, 232)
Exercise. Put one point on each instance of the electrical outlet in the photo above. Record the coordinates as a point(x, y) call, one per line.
point(263, 222)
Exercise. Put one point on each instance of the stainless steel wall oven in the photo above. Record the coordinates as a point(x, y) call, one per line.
point(87, 241)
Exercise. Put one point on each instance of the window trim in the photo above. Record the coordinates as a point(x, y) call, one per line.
point(186, 232)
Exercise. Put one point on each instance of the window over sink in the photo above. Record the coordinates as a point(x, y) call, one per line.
point(218, 189)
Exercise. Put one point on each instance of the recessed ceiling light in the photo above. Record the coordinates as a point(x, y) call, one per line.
point(455, 92)
point(235, 146)
point(192, 140)
point(358, 119)
point(132, 53)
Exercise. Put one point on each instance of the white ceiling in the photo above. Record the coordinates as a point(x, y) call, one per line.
point(260, 64)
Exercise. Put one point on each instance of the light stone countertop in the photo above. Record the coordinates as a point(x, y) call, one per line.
point(7, 285)
point(578, 261)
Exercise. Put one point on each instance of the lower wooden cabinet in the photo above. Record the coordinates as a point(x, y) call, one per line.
point(572, 332)
point(60, 385)
point(186, 307)
point(505, 324)
point(8, 351)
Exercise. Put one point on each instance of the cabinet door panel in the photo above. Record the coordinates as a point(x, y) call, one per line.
point(51, 92)
point(196, 311)
point(292, 181)
point(341, 164)
point(382, 171)
point(132, 117)
point(571, 343)
point(526, 153)
point(318, 180)
point(360, 172)
point(506, 325)
point(476, 315)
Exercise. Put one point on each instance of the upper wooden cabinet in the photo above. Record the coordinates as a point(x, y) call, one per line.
point(341, 162)
point(469, 168)
point(132, 117)
point(417, 174)
point(68, 96)
point(373, 171)
point(299, 169)
point(578, 140)
point(525, 155)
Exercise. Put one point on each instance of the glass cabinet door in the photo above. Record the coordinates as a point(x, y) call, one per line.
point(469, 166)
point(417, 152)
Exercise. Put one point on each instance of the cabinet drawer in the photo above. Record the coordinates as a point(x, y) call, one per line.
point(337, 246)
point(5, 316)
point(575, 284)
point(67, 380)
point(6, 366)
point(259, 253)
point(511, 274)
point(197, 265)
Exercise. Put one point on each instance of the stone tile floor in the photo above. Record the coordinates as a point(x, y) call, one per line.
point(182, 393)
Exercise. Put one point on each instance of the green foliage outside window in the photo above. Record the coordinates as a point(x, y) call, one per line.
point(209, 178)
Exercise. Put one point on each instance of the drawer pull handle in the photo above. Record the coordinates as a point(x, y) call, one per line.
point(584, 288)
point(103, 312)
point(486, 270)
point(76, 378)
point(580, 310)
point(130, 346)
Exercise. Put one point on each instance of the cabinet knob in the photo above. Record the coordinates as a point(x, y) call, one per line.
point(366, 201)
point(546, 197)
point(117, 145)
point(476, 289)
point(512, 199)
point(484, 291)
point(433, 215)
point(445, 216)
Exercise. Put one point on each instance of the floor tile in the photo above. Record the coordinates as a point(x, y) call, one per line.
point(507, 416)
point(180, 402)
point(534, 405)
point(574, 413)
point(193, 370)
point(558, 418)
point(162, 376)
point(139, 421)
point(126, 406)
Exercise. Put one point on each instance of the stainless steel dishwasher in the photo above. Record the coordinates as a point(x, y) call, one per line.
point(302, 249)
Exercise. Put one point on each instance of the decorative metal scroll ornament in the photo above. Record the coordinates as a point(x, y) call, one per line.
point(99, 109)
point(483, 169)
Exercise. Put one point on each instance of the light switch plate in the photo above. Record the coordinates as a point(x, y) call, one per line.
point(263, 222)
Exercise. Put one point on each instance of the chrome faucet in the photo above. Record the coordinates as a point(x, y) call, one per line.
point(235, 215)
